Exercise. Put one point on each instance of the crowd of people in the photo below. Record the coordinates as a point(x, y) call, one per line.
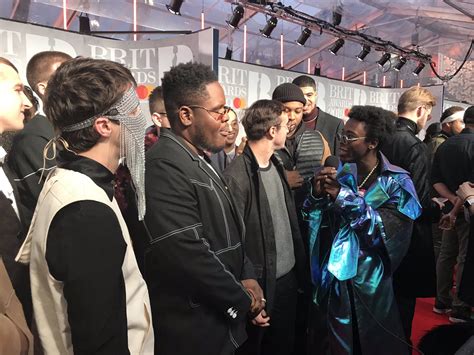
point(310, 236)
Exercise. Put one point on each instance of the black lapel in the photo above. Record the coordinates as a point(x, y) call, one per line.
point(215, 176)
point(11, 177)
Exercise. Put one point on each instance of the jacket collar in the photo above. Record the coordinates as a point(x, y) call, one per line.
point(405, 122)
point(253, 161)
point(98, 173)
point(206, 168)
point(387, 166)
point(467, 130)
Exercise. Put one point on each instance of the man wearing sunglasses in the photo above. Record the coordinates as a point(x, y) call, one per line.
point(202, 285)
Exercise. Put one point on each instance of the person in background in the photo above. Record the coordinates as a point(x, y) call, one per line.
point(223, 158)
point(431, 132)
point(26, 158)
point(453, 164)
point(89, 296)
point(416, 276)
point(33, 110)
point(258, 184)
point(315, 118)
point(202, 285)
point(451, 124)
point(15, 337)
point(158, 113)
point(466, 289)
point(359, 237)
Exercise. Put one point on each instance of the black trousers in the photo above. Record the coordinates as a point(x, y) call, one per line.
point(279, 337)
point(406, 307)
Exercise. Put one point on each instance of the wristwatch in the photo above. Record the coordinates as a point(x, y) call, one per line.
point(469, 202)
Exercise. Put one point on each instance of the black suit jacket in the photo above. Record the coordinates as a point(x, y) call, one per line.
point(26, 161)
point(246, 185)
point(195, 257)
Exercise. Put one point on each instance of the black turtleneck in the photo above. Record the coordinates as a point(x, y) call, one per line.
point(85, 251)
point(405, 122)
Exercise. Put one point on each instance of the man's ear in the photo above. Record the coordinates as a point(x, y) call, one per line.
point(103, 126)
point(157, 120)
point(41, 87)
point(272, 132)
point(185, 116)
point(419, 111)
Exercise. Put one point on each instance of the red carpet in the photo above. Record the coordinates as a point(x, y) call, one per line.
point(425, 319)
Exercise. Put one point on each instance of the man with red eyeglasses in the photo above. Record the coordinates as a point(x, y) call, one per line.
point(202, 284)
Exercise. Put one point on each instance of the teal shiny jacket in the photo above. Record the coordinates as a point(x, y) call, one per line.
point(356, 243)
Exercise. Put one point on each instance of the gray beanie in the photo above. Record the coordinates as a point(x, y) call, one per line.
point(288, 92)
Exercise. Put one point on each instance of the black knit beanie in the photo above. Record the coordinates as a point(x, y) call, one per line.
point(288, 92)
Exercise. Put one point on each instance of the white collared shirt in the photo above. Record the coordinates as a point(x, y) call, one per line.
point(5, 185)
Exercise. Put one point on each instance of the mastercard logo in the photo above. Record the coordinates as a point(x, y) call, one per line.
point(239, 102)
point(143, 91)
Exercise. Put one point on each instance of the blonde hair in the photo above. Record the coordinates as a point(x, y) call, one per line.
point(414, 97)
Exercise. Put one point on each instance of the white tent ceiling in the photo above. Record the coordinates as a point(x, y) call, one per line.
point(444, 29)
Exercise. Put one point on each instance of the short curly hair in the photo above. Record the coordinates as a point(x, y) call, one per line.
point(259, 117)
point(184, 85)
point(379, 122)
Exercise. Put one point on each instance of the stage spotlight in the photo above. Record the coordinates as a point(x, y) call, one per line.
point(385, 58)
point(174, 6)
point(418, 69)
point(401, 62)
point(269, 27)
point(84, 24)
point(303, 37)
point(336, 46)
point(364, 52)
point(228, 53)
point(336, 18)
point(237, 15)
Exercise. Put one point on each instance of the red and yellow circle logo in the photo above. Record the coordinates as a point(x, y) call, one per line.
point(239, 102)
point(143, 91)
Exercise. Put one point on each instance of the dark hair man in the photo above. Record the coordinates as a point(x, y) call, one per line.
point(315, 118)
point(15, 337)
point(304, 151)
point(257, 181)
point(453, 164)
point(201, 282)
point(451, 122)
point(416, 275)
point(157, 108)
point(88, 293)
point(26, 157)
point(222, 159)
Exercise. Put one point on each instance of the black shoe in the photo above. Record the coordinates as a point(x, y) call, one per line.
point(460, 315)
point(441, 308)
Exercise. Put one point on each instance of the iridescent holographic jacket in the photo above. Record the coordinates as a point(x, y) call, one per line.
point(356, 243)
